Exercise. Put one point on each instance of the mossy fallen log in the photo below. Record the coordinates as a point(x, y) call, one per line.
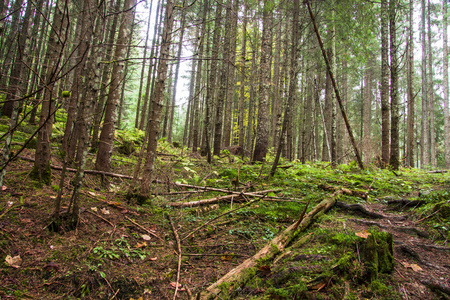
point(226, 285)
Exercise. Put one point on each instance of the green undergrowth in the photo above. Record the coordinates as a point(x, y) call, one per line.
point(330, 264)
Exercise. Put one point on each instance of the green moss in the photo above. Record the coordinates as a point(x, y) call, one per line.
point(379, 253)
point(45, 177)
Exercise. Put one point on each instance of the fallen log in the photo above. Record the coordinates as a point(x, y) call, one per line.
point(242, 273)
point(217, 199)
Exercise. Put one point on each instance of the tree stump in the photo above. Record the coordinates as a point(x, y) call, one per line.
point(378, 254)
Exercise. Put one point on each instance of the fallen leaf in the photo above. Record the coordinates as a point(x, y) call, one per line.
point(139, 245)
point(25, 221)
point(92, 193)
point(363, 234)
point(174, 284)
point(105, 211)
point(153, 258)
point(416, 268)
point(14, 262)
point(94, 209)
point(4, 188)
point(319, 286)
point(226, 257)
point(146, 237)
point(123, 211)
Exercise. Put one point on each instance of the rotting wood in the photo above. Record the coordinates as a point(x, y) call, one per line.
point(434, 285)
point(242, 273)
point(408, 230)
point(345, 191)
point(217, 199)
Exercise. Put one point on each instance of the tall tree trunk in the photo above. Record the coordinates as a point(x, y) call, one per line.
point(367, 112)
point(262, 130)
point(14, 87)
point(106, 73)
point(384, 84)
point(430, 91)
point(177, 72)
point(141, 80)
point(445, 69)
point(105, 147)
point(210, 92)
point(395, 115)
point(125, 75)
point(276, 98)
point(152, 68)
point(198, 88)
point(251, 103)
point(7, 50)
point(231, 73)
point(326, 116)
point(425, 153)
point(293, 84)
point(242, 87)
point(55, 49)
point(155, 118)
point(224, 73)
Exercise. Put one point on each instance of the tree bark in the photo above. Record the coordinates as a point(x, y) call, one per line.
point(155, 118)
point(395, 116)
point(384, 84)
point(105, 147)
point(430, 91)
point(424, 138)
point(445, 70)
point(262, 129)
point(55, 48)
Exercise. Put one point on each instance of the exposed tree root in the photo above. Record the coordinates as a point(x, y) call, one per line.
point(404, 203)
point(246, 270)
point(359, 210)
point(408, 230)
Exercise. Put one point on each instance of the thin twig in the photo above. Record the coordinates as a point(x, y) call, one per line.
point(100, 217)
point(145, 229)
point(177, 238)
point(221, 215)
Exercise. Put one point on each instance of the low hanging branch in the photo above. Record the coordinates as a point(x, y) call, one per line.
point(242, 273)
point(336, 91)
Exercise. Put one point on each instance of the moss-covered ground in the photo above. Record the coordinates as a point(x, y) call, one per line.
point(125, 248)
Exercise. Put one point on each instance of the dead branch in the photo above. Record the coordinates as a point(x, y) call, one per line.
point(177, 238)
point(98, 216)
point(345, 191)
point(219, 216)
point(433, 285)
point(217, 199)
point(238, 276)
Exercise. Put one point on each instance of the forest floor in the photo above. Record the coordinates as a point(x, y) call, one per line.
point(123, 248)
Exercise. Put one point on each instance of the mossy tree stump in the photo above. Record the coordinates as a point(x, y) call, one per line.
point(378, 254)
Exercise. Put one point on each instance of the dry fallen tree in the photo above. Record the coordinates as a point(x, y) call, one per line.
point(242, 273)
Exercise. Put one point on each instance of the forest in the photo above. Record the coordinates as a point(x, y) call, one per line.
point(227, 149)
